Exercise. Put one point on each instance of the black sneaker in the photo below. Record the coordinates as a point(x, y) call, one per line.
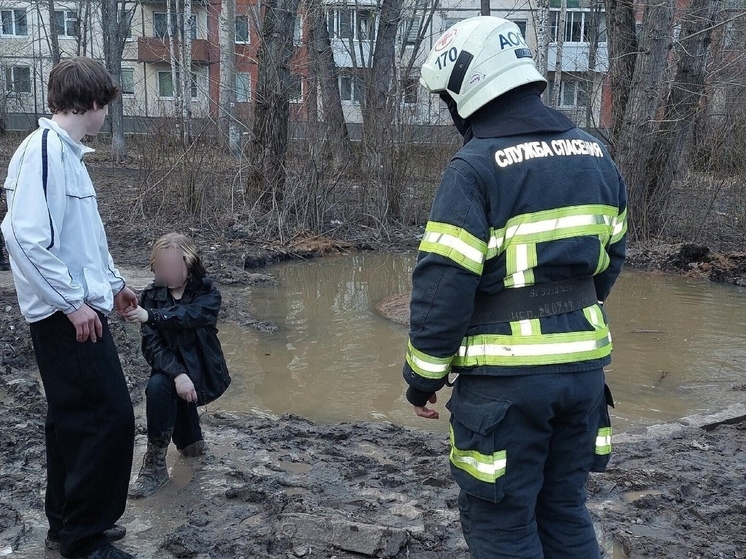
point(107, 551)
point(113, 534)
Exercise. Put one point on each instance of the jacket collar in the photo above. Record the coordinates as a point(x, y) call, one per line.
point(518, 112)
point(160, 293)
point(78, 149)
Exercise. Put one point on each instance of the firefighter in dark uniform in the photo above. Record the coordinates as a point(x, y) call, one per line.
point(4, 264)
point(525, 239)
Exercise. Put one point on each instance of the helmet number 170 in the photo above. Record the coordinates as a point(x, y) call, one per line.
point(449, 56)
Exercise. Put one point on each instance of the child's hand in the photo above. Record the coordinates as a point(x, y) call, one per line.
point(137, 314)
point(185, 388)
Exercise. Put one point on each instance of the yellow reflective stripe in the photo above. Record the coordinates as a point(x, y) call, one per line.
point(426, 365)
point(546, 349)
point(620, 227)
point(455, 243)
point(594, 316)
point(552, 225)
point(603, 259)
point(520, 262)
point(484, 467)
point(528, 327)
point(603, 441)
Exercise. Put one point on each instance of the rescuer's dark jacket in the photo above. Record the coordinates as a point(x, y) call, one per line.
point(530, 199)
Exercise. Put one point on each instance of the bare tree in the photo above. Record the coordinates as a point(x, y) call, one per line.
point(325, 70)
point(623, 48)
point(635, 135)
point(560, 41)
point(227, 94)
point(270, 131)
point(685, 101)
point(116, 17)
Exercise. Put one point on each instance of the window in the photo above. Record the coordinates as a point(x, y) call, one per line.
point(128, 81)
point(160, 29)
point(573, 93)
point(410, 88)
point(298, 30)
point(579, 27)
point(18, 79)
point(296, 88)
point(522, 26)
point(243, 87)
point(449, 22)
point(14, 23)
point(411, 30)
point(242, 29)
point(66, 23)
point(345, 23)
point(351, 88)
point(166, 86)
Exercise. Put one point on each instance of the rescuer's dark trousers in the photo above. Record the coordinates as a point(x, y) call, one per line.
point(522, 450)
point(90, 433)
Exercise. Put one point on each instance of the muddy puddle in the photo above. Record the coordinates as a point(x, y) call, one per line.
point(678, 342)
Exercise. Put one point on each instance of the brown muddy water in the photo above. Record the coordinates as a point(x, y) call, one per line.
point(679, 345)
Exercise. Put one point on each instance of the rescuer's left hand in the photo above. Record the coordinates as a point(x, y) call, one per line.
point(424, 411)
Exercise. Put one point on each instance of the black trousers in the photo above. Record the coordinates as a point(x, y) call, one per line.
point(90, 432)
point(169, 414)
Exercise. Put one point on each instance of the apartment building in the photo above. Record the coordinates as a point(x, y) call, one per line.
point(147, 81)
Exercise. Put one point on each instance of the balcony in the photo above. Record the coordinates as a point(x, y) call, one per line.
point(157, 51)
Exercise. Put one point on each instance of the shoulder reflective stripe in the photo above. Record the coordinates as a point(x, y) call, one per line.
point(603, 441)
point(455, 243)
point(620, 227)
point(484, 467)
point(554, 224)
point(546, 349)
point(426, 365)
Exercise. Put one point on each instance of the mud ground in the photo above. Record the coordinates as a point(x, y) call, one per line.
point(286, 487)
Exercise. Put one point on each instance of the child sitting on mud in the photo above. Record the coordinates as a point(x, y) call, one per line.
point(179, 313)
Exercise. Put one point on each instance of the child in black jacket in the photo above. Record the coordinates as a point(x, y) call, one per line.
point(179, 314)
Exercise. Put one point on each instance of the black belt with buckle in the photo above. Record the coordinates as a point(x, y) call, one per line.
point(535, 301)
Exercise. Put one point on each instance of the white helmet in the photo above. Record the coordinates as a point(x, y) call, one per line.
point(477, 60)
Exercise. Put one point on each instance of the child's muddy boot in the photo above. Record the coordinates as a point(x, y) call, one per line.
point(193, 450)
point(153, 474)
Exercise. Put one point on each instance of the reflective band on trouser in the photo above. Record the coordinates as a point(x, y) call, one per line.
point(455, 243)
point(547, 349)
point(552, 225)
point(484, 467)
point(426, 365)
point(603, 441)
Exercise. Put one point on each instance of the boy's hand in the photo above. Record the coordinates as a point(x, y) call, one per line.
point(138, 314)
point(185, 388)
point(125, 300)
point(87, 324)
point(424, 411)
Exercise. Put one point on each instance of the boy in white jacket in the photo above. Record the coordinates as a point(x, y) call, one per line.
point(67, 284)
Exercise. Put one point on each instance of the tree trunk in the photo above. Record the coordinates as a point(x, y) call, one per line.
point(484, 8)
point(270, 131)
point(560, 39)
point(542, 38)
point(669, 155)
point(116, 18)
point(380, 95)
point(174, 60)
point(636, 137)
point(227, 94)
point(185, 28)
point(53, 37)
point(325, 70)
point(622, 45)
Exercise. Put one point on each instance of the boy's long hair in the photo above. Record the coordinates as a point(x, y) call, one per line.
point(178, 241)
point(75, 84)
